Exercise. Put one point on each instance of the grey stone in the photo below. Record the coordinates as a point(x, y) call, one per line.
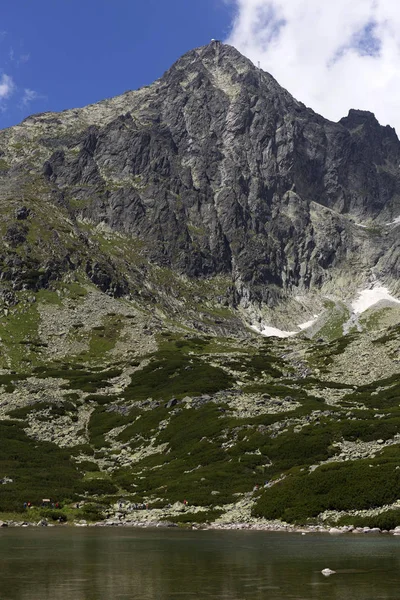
point(22, 213)
point(327, 572)
point(373, 530)
point(171, 403)
point(218, 169)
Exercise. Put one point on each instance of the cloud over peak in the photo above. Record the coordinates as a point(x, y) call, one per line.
point(7, 86)
point(332, 56)
point(28, 97)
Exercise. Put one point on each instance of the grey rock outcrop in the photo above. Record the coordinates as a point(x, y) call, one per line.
point(218, 169)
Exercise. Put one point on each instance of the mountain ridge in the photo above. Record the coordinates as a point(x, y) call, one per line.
point(146, 242)
point(230, 190)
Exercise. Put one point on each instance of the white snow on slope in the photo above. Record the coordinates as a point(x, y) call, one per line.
point(273, 332)
point(368, 298)
point(395, 222)
point(308, 324)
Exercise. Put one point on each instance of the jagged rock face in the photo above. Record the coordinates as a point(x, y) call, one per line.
point(220, 170)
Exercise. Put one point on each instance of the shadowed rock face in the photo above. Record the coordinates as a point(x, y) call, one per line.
point(220, 170)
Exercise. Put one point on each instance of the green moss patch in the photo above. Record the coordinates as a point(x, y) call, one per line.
point(54, 409)
point(38, 469)
point(345, 486)
point(102, 421)
point(102, 339)
point(387, 519)
point(78, 378)
point(174, 374)
point(381, 394)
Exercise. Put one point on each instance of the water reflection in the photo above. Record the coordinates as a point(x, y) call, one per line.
point(97, 564)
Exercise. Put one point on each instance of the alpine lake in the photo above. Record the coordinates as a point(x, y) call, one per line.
point(65, 563)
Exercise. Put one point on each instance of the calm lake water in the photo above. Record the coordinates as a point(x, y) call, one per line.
point(97, 564)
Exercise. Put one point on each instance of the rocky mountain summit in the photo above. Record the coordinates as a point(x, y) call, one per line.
point(147, 242)
point(216, 169)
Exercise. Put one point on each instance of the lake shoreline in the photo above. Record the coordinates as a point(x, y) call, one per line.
point(150, 524)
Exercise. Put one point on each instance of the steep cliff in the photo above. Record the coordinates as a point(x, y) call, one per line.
point(216, 169)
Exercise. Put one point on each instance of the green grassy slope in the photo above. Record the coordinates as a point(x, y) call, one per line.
point(207, 420)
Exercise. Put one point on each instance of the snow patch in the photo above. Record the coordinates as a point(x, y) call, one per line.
point(395, 222)
point(363, 226)
point(273, 332)
point(308, 324)
point(369, 297)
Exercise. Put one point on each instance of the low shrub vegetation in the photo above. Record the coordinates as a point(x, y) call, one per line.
point(336, 486)
point(176, 375)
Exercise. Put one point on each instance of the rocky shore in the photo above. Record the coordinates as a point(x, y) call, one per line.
point(268, 526)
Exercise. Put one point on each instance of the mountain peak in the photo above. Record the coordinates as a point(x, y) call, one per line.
point(222, 54)
point(208, 61)
point(224, 68)
point(366, 121)
point(355, 118)
point(217, 169)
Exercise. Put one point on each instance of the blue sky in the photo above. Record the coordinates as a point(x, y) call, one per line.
point(333, 56)
point(58, 54)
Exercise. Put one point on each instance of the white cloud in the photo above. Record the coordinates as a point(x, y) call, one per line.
point(332, 56)
point(28, 97)
point(16, 59)
point(7, 86)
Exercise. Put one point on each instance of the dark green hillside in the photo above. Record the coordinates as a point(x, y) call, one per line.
point(202, 420)
point(148, 245)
